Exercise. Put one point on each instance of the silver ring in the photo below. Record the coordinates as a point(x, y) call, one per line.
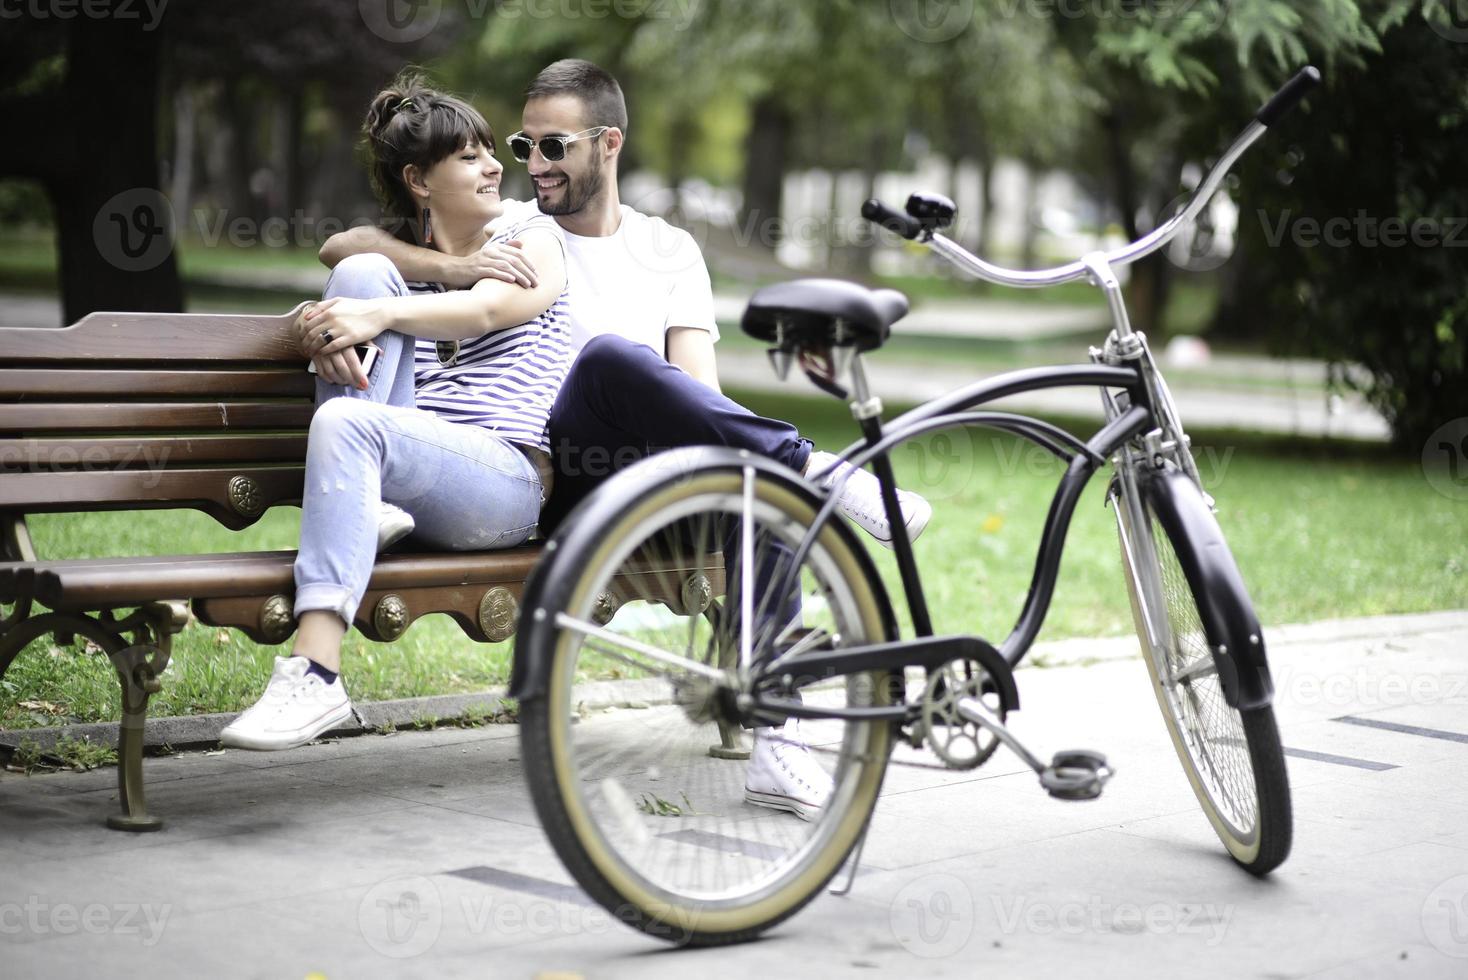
point(326, 336)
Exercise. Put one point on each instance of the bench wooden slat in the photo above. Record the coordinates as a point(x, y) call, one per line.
point(110, 583)
point(56, 454)
point(201, 489)
point(147, 338)
point(74, 383)
point(141, 417)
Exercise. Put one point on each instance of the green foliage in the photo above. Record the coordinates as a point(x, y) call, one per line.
point(1364, 241)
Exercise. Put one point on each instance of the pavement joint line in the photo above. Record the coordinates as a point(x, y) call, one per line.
point(1393, 726)
point(529, 884)
point(1339, 760)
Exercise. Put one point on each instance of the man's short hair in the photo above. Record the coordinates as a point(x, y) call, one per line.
point(597, 90)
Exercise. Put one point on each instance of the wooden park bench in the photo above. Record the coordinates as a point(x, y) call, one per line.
point(133, 411)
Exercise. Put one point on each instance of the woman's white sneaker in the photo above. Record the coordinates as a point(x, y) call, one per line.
point(783, 775)
point(393, 525)
point(861, 499)
point(296, 707)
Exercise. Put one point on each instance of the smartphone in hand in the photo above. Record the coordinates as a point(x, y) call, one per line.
point(366, 353)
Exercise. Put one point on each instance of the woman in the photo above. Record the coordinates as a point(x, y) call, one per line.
point(450, 425)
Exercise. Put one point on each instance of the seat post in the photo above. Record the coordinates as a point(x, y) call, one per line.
point(866, 408)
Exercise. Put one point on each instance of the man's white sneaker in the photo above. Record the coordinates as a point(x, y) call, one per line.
point(861, 499)
point(393, 525)
point(783, 775)
point(296, 707)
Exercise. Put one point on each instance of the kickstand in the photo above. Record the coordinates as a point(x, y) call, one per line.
point(854, 862)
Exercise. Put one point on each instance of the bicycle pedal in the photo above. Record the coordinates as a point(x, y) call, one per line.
point(1076, 774)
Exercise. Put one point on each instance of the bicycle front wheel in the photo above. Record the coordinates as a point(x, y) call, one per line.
point(651, 806)
point(1232, 756)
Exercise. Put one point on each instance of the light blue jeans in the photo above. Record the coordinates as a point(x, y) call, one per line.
point(467, 489)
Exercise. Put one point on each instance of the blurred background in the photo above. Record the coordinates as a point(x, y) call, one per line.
point(194, 154)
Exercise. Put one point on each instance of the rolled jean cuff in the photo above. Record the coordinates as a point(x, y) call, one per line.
point(327, 597)
point(801, 456)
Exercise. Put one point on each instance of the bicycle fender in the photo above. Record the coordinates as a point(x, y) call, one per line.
point(570, 548)
point(1232, 629)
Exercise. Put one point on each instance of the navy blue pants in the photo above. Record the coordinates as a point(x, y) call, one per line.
point(622, 402)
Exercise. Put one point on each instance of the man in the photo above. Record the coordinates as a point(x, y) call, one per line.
point(642, 319)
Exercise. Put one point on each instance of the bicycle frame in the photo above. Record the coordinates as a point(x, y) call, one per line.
point(1144, 431)
point(1083, 459)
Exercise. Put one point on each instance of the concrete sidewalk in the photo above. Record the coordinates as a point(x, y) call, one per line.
point(290, 864)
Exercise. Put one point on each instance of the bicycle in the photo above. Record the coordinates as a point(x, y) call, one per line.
point(652, 819)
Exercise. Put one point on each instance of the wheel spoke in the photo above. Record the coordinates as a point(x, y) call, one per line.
point(661, 789)
point(601, 633)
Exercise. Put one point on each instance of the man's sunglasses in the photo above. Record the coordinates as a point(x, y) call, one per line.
point(553, 148)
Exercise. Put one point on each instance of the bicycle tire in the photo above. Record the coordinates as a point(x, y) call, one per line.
point(1244, 794)
point(589, 551)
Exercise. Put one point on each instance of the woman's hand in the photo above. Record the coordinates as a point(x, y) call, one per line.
point(343, 368)
point(338, 324)
point(505, 261)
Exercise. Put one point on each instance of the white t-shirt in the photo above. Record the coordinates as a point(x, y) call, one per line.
point(636, 283)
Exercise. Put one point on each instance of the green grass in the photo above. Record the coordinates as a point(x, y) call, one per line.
point(1320, 531)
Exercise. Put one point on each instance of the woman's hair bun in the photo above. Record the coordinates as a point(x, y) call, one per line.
point(406, 94)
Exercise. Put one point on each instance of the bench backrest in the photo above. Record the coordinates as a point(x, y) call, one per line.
point(129, 411)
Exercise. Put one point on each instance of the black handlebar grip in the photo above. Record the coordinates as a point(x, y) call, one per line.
point(1288, 96)
point(891, 219)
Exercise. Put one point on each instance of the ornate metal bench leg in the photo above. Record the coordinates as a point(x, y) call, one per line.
point(139, 682)
point(139, 668)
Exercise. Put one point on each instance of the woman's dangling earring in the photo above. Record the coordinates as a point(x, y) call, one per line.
point(427, 226)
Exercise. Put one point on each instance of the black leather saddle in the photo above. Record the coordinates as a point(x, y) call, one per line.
point(819, 313)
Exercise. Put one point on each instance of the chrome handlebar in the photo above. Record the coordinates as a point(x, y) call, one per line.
point(926, 214)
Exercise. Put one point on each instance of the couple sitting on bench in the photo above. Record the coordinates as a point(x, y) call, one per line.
point(519, 345)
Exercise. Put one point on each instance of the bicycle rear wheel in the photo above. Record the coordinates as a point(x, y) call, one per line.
point(638, 803)
point(1232, 756)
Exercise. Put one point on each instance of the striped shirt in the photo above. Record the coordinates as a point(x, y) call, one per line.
point(506, 380)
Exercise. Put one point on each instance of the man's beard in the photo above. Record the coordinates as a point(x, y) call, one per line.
point(579, 192)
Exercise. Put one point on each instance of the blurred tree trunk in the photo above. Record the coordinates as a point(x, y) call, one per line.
point(984, 238)
point(1029, 228)
point(854, 253)
point(1150, 282)
point(766, 151)
point(293, 169)
point(238, 116)
point(185, 145)
point(682, 135)
point(108, 247)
